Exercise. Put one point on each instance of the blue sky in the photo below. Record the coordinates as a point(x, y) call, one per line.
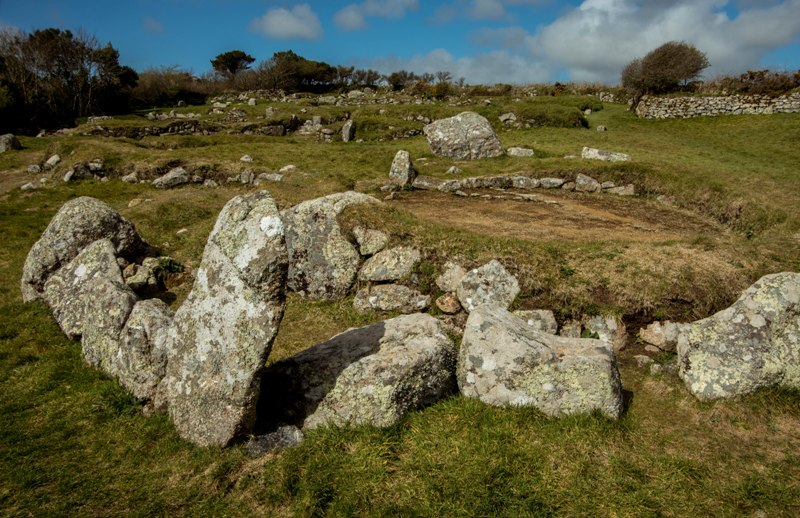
point(484, 41)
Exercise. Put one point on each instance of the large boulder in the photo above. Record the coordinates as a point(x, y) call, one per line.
point(373, 375)
point(221, 336)
point(322, 262)
point(77, 224)
point(505, 362)
point(9, 142)
point(489, 284)
point(390, 265)
point(467, 136)
point(752, 344)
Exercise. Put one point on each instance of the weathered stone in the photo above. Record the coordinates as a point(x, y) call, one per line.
point(9, 142)
point(391, 297)
point(490, 284)
point(454, 170)
point(520, 152)
point(585, 183)
point(663, 335)
point(525, 182)
point(426, 183)
point(348, 131)
point(373, 375)
point(402, 171)
point(79, 223)
point(608, 328)
point(390, 265)
point(34, 169)
point(467, 136)
point(607, 185)
point(752, 344)
point(628, 190)
point(504, 362)
point(590, 153)
point(246, 158)
point(52, 162)
point(448, 304)
point(539, 319)
point(507, 118)
point(141, 360)
point(370, 241)
point(449, 186)
point(602, 128)
point(451, 277)
point(222, 334)
point(322, 263)
point(282, 438)
point(28, 187)
point(95, 165)
point(130, 178)
point(173, 178)
point(551, 183)
point(290, 168)
point(571, 329)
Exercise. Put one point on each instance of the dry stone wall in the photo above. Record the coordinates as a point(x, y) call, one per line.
point(684, 107)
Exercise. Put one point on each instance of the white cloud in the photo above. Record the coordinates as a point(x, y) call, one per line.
point(300, 22)
point(595, 40)
point(152, 25)
point(481, 9)
point(353, 17)
point(502, 37)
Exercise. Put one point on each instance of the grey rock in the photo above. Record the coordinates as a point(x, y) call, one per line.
point(247, 177)
point(282, 438)
point(95, 165)
point(34, 169)
point(426, 183)
point(519, 152)
point(322, 263)
point(222, 334)
point(210, 183)
point(453, 170)
point(607, 185)
point(449, 186)
point(525, 182)
point(628, 190)
point(28, 187)
point(539, 319)
point(268, 177)
point(373, 375)
point(584, 183)
point(173, 178)
point(451, 277)
point(507, 118)
point(590, 153)
point(246, 158)
point(467, 136)
point(79, 223)
point(663, 335)
point(130, 178)
point(490, 284)
point(448, 304)
point(402, 171)
point(571, 329)
point(569, 186)
point(752, 344)
point(390, 265)
point(602, 128)
point(503, 362)
point(608, 328)
point(370, 241)
point(348, 131)
point(391, 297)
point(551, 183)
point(9, 142)
point(251, 101)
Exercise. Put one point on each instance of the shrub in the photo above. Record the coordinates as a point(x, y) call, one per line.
point(663, 70)
point(756, 82)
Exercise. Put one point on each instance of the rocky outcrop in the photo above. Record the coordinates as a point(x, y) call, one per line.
point(504, 362)
point(222, 334)
point(322, 263)
point(467, 136)
point(752, 344)
point(78, 223)
point(372, 375)
point(489, 284)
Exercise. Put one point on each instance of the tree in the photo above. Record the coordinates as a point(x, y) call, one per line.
point(443, 76)
point(398, 80)
point(663, 70)
point(230, 63)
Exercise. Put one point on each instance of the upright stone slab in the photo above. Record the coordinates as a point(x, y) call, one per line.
point(467, 136)
point(402, 170)
point(505, 362)
point(349, 131)
point(79, 223)
point(222, 334)
point(322, 263)
point(752, 344)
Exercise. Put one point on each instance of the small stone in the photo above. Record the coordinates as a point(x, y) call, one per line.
point(34, 169)
point(602, 128)
point(9, 142)
point(607, 185)
point(525, 182)
point(519, 152)
point(584, 183)
point(490, 284)
point(288, 169)
point(628, 190)
point(391, 297)
point(450, 279)
point(52, 162)
point(246, 158)
point(569, 186)
point(454, 170)
point(173, 178)
point(28, 187)
point(390, 265)
point(448, 304)
point(130, 178)
point(210, 183)
point(589, 153)
point(282, 438)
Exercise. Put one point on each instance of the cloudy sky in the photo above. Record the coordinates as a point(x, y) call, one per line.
point(484, 41)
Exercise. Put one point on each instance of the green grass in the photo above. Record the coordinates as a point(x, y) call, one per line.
point(72, 442)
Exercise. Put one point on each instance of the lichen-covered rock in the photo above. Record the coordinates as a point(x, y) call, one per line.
point(402, 170)
point(322, 263)
point(9, 142)
point(391, 297)
point(663, 335)
point(551, 183)
point(752, 344)
point(520, 152)
point(370, 241)
point(77, 224)
point(390, 265)
point(608, 328)
point(141, 362)
point(504, 362)
point(590, 153)
point(373, 375)
point(584, 183)
point(525, 182)
point(109, 302)
point(173, 178)
point(539, 319)
point(451, 276)
point(489, 284)
point(467, 136)
point(448, 304)
point(221, 336)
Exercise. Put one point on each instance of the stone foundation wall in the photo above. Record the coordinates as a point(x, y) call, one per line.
point(683, 107)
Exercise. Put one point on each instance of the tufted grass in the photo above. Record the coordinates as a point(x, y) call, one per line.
point(72, 442)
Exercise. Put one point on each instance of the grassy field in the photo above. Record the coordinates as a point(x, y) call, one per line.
point(72, 442)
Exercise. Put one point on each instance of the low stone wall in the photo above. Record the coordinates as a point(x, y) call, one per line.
point(684, 107)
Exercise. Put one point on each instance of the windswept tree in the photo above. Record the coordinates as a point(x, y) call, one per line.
point(665, 69)
point(400, 79)
point(230, 63)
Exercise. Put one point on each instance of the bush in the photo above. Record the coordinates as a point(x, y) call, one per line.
point(166, 86)
point(666, 69)
point(756, 82)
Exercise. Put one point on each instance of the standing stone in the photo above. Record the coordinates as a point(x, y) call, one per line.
point(590, 153)
point(78, 223)
point(391, 297)
point(322, 263)
point(349, 131)
point(539, 319)
point(9, 142)
point(373, 375)
point(504, 362)
point(390, 265)
point(585, 183)
point(402, 172)
point(489, 284)
point(467, 136)
point(223, 333)
point(752, 344)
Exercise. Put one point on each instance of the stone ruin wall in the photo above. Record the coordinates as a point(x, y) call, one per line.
point(684, 107)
